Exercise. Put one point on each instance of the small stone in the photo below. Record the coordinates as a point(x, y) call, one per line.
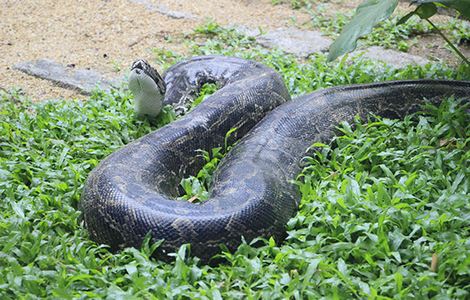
point(295, 41)
point(164, 10)
point(85, 81)
point(249, 32)
point(393, 58)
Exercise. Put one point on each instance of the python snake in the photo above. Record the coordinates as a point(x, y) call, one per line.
point(132, 192)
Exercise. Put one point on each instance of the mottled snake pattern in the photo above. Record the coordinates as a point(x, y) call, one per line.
point(132, 192)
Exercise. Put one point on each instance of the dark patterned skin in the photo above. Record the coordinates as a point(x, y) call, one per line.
point(131, 192)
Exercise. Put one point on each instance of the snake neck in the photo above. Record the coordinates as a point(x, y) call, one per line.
point(148, 88)
point(148, 103)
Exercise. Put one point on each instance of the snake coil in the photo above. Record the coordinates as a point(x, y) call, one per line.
point(131, 192)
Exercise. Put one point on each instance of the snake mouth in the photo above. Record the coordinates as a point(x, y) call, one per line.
point(141, 68)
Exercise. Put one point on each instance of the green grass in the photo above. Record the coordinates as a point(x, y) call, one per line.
point(375, 207)
point(315, 72)
point(385, 199)
point(386, 34)
point(296, 4)
point(196, 188)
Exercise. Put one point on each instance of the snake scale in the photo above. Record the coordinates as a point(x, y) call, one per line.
point(132, 192)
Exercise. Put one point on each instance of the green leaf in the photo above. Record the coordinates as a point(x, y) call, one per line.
point(342, 267)
point(427, 10)
point(406, 18)
point(398, 280)
point(311, 269)
point(227, 137)
point(462, 6)
point(367, 15)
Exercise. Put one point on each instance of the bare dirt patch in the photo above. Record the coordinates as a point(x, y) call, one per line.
point(108, 35)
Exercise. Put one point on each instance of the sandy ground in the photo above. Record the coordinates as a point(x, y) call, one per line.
point(107, 35)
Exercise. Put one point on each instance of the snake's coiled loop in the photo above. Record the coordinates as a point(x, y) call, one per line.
point(131, 192)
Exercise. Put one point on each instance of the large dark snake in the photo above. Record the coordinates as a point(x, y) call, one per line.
point(131, 193)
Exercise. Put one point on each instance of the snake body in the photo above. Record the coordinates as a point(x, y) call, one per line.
point(131, 193)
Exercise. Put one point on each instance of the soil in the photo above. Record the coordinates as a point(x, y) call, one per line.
point(107, 35)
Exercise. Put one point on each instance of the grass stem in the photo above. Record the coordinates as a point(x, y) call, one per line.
point(456, 50)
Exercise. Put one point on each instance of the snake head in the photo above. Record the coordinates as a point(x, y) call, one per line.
point(144, 72)
point(148, 88)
